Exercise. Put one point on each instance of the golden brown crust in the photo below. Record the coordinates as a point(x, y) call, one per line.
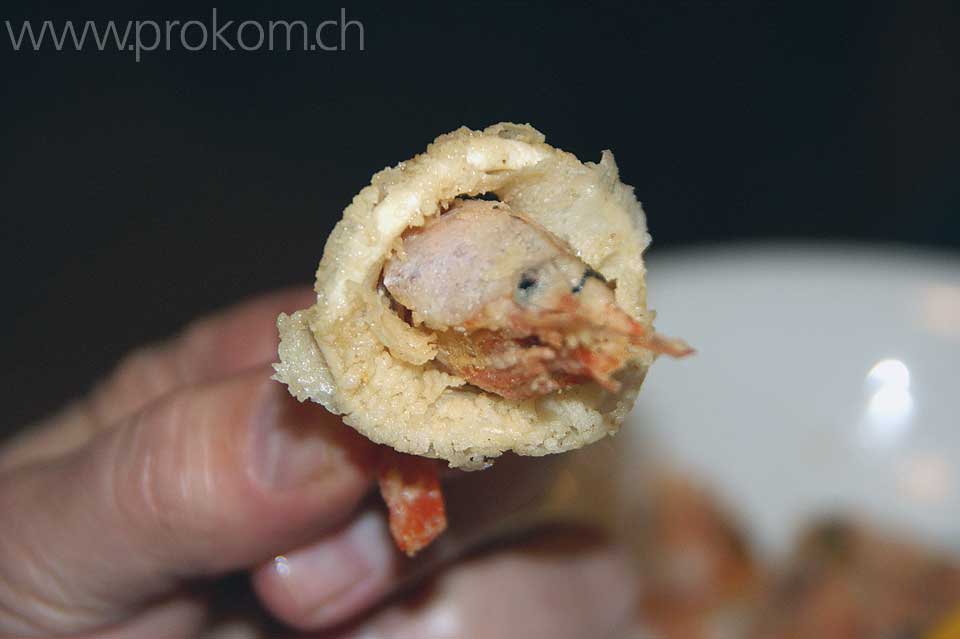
point(351, 354)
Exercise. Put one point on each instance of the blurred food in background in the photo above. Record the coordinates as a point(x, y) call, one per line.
point(699, 572)
point(848, 579)
point(844, 579)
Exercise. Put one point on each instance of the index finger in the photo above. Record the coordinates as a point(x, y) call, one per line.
point(211, 348)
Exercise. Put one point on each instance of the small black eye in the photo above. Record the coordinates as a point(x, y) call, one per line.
point(527, 280)
point(595, 275)
point(583, 279)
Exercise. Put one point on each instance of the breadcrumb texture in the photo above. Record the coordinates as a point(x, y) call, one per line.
point(352, 354)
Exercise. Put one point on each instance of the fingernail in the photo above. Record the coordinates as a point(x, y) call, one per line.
point(340, 575)
point(288, 447)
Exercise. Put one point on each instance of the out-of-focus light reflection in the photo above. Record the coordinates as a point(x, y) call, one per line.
point(890, 404)
point(889, 373)
point(940, 310)
point(281, 565)
point(926, 477)
point(890, 407)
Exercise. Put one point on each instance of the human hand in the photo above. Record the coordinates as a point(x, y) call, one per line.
point(119, 515)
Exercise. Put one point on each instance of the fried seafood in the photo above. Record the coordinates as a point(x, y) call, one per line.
point(460, 329)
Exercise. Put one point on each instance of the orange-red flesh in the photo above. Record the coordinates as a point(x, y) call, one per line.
point(410, 486)
point(536, 352)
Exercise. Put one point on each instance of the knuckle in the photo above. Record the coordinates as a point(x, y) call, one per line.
point(161, 486)
point(146, 366)
point(149, 371)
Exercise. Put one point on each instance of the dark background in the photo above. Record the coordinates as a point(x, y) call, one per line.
point(136, 196)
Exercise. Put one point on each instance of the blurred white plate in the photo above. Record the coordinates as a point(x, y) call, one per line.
point(826, 380)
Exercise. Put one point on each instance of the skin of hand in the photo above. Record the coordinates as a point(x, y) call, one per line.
point(121, 515)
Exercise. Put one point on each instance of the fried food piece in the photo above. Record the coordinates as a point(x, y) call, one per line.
point(700, 575)
point(848, 581)
point(510, 379)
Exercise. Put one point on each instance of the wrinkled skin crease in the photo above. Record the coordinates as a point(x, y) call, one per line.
point(516, 313)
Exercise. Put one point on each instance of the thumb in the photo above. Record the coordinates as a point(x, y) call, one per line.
point(212, 479)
